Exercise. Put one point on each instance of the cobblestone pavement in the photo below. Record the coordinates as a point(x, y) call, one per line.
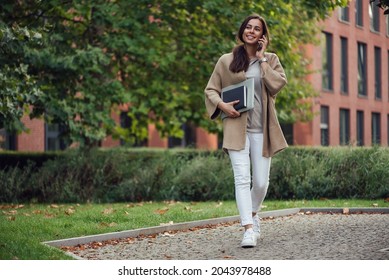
point(300, 237)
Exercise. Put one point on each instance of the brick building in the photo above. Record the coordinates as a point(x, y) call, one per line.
point(352, 108)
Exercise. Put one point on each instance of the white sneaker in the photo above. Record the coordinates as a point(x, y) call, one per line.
point(256, 226)
point(249, 239)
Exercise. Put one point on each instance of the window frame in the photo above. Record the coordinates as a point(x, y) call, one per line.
point(327, 62)
point(376, 128)
point(359, 13)
point(344, 65)
point(344, 126)
point(324, 125)
point(362, 77)
point(360, 131)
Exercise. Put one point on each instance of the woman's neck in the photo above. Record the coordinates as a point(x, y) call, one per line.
point(251, 50)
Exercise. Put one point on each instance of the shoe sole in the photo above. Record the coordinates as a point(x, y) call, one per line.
point(248, 245)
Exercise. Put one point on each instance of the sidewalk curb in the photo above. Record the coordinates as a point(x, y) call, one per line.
point(187, 225)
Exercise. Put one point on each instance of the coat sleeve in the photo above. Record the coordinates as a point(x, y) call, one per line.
point(213, 92)
point(273, 75)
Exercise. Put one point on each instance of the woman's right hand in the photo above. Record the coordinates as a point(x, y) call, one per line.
point(228, 108)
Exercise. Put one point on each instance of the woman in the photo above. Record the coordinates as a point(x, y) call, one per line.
point(253, 137)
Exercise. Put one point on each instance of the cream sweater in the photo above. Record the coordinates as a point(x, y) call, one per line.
point(234, 130)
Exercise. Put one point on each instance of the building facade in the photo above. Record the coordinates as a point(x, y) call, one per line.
point(353, 106)
point(350, 71)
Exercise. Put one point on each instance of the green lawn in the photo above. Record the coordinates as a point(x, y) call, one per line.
point(24, 227)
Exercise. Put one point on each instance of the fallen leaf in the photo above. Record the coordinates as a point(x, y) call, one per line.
point(375, 204)
point(170, 202)
point(161, 211)
point(187, 208)
point(11, 212)
point(227, 257)
point(108, 211)
point(386, 199)
point(219, 204)
point(11, 218)
point(69, 211)
point(346, 211)
point(167, 234)
point(54, 206)
point(11, 206)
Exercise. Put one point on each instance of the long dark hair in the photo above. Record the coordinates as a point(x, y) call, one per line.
point(241, 60)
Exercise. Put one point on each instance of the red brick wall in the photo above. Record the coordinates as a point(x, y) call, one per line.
point(334, 99)
point(34, 140)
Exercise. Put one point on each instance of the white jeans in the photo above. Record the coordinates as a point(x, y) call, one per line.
point(249, 199)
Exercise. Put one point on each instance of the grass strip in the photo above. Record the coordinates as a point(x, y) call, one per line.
point(24, 227)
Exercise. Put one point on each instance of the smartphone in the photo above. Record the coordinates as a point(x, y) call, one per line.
point(260, 46)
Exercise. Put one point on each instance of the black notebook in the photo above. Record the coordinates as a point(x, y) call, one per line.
point(238, 93)
point(245, 94)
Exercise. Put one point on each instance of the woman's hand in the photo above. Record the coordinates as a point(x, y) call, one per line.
point(228, 108)
point(262, 44)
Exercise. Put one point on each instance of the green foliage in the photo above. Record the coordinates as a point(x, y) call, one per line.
point(314, 173)
point(383, 4)
point(156, 56)
point(217, 181)
point(125, 176)
point(18, 88)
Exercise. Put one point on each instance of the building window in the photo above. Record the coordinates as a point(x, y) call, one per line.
point(324, 126)
point(327, 69)
point(374, 14)
point(287, 130)
point(189, 139)
point(360, 128)
point(387, 25)
point(7, 139)
point(53, 140)
point(130, 139)
point(376, 128)
point(359, 12)
point(344, 127)
point(362, 70)
point(344, 65)
point(377, 72)
point(344, 14)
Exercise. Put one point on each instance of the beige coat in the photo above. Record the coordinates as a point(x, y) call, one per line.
point(234, 129)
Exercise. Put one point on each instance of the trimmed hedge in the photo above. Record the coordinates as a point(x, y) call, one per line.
point(122, 175)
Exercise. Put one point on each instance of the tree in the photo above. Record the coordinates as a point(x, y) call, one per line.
point(17, 88)
point(383, 4)
point(154, 55)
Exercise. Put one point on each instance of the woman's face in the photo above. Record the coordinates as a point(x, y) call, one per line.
point(253, 31)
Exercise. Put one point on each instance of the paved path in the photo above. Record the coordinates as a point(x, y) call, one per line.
point(300, 236)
